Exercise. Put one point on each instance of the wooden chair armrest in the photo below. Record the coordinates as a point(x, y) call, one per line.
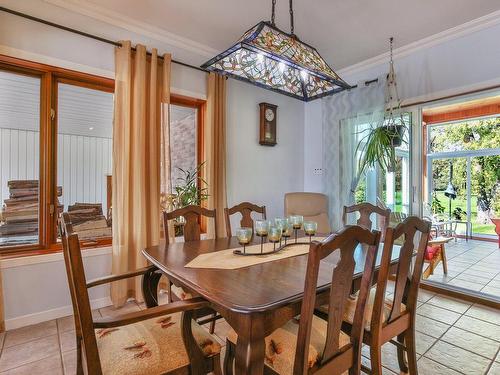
point(110, 278)
point(439, 241)
point(153, 312)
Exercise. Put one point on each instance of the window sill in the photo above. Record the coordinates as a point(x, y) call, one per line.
point(34, 250)
point(48, 257)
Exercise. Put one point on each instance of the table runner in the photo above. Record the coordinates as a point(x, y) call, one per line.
point(226, 260)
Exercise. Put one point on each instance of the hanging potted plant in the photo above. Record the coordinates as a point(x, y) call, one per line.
point(378, 146)
point(395, 130)
point(377, 149)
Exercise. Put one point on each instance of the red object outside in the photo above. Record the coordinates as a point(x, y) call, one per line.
point(497, 229)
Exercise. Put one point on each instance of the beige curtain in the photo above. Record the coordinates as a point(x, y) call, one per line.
point(215, 149)
point(141, 87)
point(2, 317)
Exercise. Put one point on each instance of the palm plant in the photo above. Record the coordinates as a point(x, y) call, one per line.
point(191, 188)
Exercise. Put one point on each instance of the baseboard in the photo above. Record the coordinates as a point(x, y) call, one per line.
point(43, 316)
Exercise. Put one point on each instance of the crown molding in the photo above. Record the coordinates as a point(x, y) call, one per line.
point(456, 32)
point(100, 13)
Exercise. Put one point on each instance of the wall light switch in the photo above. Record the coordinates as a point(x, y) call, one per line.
point(318, 171)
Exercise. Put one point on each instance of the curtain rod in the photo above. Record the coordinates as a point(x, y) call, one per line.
point(82, 33)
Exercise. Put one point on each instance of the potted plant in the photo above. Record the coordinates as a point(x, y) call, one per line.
point(379, 147)
point(191, 189)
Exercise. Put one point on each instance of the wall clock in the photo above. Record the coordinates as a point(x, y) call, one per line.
point(268, 114)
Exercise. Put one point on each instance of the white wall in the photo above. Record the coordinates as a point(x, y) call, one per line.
point(35, 287)
point(263, 174)
point(448, 64)
point(313, 151)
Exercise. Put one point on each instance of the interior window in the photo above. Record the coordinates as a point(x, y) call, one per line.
point(84, 158)
point(19, 158)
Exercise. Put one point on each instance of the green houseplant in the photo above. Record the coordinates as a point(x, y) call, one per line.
point(378, 146)
point(190, 189)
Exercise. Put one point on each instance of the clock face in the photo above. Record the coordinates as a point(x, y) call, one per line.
point(269, 114)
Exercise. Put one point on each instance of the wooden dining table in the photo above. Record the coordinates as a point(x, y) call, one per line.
point(254, 300)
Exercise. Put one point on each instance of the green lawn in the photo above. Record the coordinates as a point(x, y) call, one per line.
point(462, 203)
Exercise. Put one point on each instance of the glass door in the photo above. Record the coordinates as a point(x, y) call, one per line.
point(463, 195)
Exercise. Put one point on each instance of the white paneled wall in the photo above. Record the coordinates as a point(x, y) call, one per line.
point(19, 157)
point(82, 166)
point(84, 142)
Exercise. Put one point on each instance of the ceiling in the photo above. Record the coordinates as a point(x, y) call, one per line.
point(344, 32)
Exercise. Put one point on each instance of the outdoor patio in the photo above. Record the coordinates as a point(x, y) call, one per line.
point(473, 265)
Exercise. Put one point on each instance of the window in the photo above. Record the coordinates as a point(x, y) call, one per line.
point(55, 154)
point(183, 129)
point(84, 158)
point(390, 187)
point(19, 158)
point(466, 156)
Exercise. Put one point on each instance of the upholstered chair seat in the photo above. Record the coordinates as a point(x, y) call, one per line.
point(149, 347)
point(313, 206)
point(180, 293)
point(281, 345)
point(351, 307)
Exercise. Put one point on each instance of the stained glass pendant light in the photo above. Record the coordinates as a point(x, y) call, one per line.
point(273, 59)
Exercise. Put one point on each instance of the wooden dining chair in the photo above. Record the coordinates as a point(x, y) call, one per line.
point(163, 339)
point(245, 209)
point(192, 232)
point(310, 344)
point(394, 317)
point(192, 225)
point(365, 210)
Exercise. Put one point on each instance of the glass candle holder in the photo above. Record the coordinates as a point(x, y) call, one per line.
point(274, 236)
point(310, 228)
point(261, 230)
point(296, 223)
point(244, 236)
point(261, 227)
point(286, 228)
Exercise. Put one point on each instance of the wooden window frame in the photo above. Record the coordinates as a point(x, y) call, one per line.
point(50, 76)
point(200, 105)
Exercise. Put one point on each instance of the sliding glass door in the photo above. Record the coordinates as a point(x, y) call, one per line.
point(463, 169)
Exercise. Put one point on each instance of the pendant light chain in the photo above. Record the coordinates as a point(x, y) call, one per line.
point(291, 18)
point(273, 12)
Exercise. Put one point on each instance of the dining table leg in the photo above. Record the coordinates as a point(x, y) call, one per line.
point(250, 346)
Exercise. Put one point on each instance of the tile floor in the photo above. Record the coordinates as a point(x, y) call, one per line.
point(453, 337)
point(473, 265)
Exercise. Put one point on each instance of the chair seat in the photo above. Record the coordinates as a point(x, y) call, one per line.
point(180, 293)
point(351, 308)
point(149, 347)
point(281, 345)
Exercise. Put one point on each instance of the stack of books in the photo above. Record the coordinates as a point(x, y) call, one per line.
point(19, 215)
point(88, 221)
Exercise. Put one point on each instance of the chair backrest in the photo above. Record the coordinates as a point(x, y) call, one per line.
point(365, 210)
point(192, 224)
point(79, 295)
point(245, 209)
point(336, 359)
point(407, 278)
point(313, 206)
